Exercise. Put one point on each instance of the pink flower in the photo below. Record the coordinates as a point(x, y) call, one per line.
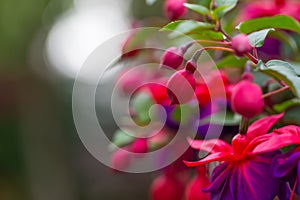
point(266, 8)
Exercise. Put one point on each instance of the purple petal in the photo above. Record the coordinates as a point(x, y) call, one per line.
point(283, 164)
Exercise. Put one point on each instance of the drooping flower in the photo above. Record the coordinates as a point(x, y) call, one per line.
point(243, 174)
point(287, 165)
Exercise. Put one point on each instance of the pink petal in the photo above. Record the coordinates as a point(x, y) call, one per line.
point(211, 146)
point(211, 158)
point(262, 126)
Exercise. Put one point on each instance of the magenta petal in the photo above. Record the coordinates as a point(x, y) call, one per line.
point(262, 126)
point(211, 146)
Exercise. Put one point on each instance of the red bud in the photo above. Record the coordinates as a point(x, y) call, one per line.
point(140, 146)
point(166, 188)
point(195, 186)
point(172, 58)
point(246, 99)
point(181, 86)
point(241, 44)
point(174, 9)
point(120, 159)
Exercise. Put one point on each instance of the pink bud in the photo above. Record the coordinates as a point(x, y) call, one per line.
point(173, 58)
point(181, 86)
point(246, 99)
point(241, 44)
point(140, 146)
point(166, 188)
point(194, 188)
point(120, 159)
point(174, 9)
point(191, 66)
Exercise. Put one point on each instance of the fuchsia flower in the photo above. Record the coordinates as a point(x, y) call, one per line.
point(243, 173)
point(286, 165)
point(265, 8)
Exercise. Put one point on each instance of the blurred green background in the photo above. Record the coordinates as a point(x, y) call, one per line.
point(41, 155)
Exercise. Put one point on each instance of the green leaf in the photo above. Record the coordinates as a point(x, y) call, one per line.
point(231, 61)
point(183, 113)
point(279, 21)
point(224, 6)
point(142, 103)
point(150, 2)
point(281, 107)
point(206, 35)
point(197, 8)
point(257, 39)
point(186, 26)
point(281, 71)
point(120, 139)
point(226, 119)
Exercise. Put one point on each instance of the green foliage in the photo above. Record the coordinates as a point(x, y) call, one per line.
point(279, 21)
point(281, 107)
point(224, 6)
point(281, 71)
point(257, 39)
point(142, 103)
point(187, 27)
point(226, 119)
point(198, 8)
point(150, 2)
point(231, 61)
point(120, 139)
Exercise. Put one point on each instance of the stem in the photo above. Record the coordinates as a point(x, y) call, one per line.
point(198, 53)
point(276, 91)
point(224, 33)
point(294, 188)
point(252, 58)
point(255, 52)
point(244, 125)
point(213, 42)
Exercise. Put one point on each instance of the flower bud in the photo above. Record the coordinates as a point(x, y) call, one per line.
point(120, 159)
point(181, 86)
point(194, 188)
point(140, 146)
point(172, 58)
point(241, 44)
point(174, 9)
point(246, 99)
point(166, 187)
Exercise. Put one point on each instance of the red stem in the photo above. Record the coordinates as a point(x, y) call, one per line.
point(276, 91)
